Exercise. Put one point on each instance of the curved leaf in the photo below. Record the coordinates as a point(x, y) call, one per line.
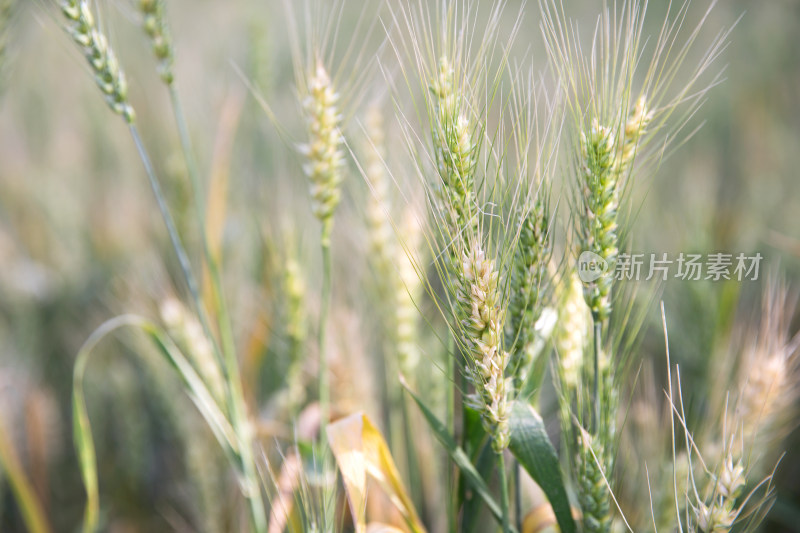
point(458, 456)
point(532, 447)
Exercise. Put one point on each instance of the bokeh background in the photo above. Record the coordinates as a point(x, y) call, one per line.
point(81, 240)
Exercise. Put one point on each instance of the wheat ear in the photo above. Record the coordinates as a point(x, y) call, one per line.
point(323, 150)
point(107, 73)
point(155, 25)
point(527, 286)
point(482, 324)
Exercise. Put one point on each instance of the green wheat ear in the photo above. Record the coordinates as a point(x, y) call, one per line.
point(456, 154)
point(594, 493)
point(107, 73)
point(155, 26)
point(528, 279)
point(599, 190)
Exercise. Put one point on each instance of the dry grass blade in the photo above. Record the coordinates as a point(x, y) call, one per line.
point(361, 452)
point(31, 508)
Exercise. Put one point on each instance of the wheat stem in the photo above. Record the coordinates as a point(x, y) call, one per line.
point(598, 331)
point(172, 231)
point(517, 495)
point(501, 469)
point(324, 381)
point(414, 481)
point(188, 152)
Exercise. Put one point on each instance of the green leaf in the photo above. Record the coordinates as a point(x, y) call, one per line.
point(82, 429)
point(532, 448)
point(477, 446)
point(485, 463)
point(458, 456)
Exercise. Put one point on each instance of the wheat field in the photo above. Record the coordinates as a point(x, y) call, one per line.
point(399, 266)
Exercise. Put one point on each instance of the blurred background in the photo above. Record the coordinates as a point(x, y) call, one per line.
point(81, 240)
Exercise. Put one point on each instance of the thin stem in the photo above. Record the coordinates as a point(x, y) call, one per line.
point(450, 377)
point(324, 382)
point(188, 153)
point(501, 467)
point(515, 468)
point(414, 482)
point(517, 496)
point(598, 327)
point(451, 400)
point(174, 237)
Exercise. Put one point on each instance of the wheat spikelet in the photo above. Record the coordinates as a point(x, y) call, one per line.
point(634, 130)
point(455, 155)
point(593, 492)
point(189, 335)
point(408, 287)
point(763, 394)
point(295, 288)
point(720, 513)
point(600, 200)
point(378, 204)
point(573, 332)
point(527, 284)
point(155, 26)
point(482, 329)
point(297, 331)
point(323, 150)
point(768, 372)
point(107, 73)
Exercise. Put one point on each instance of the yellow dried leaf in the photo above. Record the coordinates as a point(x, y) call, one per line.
point(540, 520)
point(376, 527)
point(361, 452)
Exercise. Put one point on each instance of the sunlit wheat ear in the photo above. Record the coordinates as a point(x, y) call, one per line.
point(715, 500)
point(323, 152)
point(294, 287)
point(630, 96)
point(379, 223)
point(407, 295)
point(635, 128)
point(767, 378)
point(572, 334)
point(154, 23)
point(720, 512)
point(482, 332)
point(109, 77)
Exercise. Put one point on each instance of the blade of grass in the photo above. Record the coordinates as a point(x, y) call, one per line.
point(532, 447)
point(459, 457)
point(196, 388)
point(29, 505)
